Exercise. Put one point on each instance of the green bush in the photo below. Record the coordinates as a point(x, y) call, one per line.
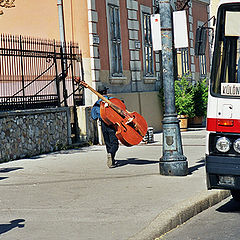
point(184, 97)
point(200, 98)
point(189, 99)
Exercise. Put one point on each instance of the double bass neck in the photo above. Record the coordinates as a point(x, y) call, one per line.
point(112, 105)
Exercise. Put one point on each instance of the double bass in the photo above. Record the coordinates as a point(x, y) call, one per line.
point(130, 127)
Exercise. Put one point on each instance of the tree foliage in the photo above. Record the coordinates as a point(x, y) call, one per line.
point(6, 4)
point(190, 99)
point(184, 97)
point(200, 98)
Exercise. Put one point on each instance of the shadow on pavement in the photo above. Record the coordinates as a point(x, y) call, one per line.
point(195, 168)
point(2, 178)
point(231, 206)
point(135, 161)
point(202, 160)
point(6, 170)
point(195, 129)
point(13, 224)
point(68, 151)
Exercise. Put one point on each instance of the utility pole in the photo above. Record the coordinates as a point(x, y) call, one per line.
point(63, 51)
point(173, 162)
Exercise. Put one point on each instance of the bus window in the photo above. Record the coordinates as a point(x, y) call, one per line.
point(227, 68)
point(226, 62)
point(238, 68)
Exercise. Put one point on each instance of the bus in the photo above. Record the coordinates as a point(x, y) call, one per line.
point(223, 113)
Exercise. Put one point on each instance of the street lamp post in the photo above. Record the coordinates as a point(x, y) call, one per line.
point(173, 162)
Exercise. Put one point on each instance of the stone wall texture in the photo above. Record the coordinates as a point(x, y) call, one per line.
point(27, 133)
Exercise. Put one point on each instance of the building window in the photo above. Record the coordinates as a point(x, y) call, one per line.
point(147, 45)
point(202, 66)
point(202, 59)
point(115, 41)
point(185, 61)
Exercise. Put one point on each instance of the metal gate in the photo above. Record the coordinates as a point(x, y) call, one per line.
point(34, 73)
point(31, 73)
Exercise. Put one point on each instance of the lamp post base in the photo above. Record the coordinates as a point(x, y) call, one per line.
point(173, 162)
point(179, 168)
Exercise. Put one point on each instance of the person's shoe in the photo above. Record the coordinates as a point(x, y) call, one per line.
point(110, 161)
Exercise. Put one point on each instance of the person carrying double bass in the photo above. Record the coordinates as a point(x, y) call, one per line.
point(117, 122)
point(108, 131)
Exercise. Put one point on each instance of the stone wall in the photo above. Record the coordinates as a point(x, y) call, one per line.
point(26, 133)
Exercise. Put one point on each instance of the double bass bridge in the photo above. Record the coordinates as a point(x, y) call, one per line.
point(130, 122)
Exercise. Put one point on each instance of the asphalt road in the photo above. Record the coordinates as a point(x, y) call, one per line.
point(220, 222)
point(73, 195)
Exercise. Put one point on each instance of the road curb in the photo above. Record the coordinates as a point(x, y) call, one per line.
point(180, 213)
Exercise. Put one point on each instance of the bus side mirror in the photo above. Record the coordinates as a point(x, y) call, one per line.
point(214, 20)
point(200, 41)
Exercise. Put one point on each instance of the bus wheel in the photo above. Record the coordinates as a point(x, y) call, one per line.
point(236, 195)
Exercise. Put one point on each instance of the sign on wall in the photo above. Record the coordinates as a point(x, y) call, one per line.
point(156, 32)
point(180, 29)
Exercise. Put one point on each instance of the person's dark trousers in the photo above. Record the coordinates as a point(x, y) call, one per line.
point(110, 139)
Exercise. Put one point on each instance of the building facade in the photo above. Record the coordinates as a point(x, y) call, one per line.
point(198, 14)
point(115, 40)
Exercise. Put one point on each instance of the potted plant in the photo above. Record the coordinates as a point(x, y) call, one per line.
point(200, 98)
point(184, 101)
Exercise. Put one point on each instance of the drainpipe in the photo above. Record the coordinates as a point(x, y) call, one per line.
point(61, 22)
point(63, 45)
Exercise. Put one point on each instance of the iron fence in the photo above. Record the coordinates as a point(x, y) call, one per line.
point(31, 74)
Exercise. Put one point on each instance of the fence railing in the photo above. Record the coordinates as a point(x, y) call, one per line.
point(31, 73)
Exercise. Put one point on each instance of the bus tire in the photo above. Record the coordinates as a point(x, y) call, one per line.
point(236, 195)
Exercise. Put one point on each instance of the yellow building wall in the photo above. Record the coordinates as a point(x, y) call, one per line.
point(40, 19)
point(76, 24)
point(31, 18)
point(213, 6)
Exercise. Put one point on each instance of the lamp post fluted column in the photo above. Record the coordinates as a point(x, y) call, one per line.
point(173, 162)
